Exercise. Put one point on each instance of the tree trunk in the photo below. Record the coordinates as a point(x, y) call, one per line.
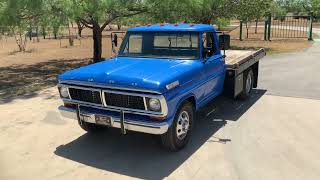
point(256, 30)
point(79, 31)
point(19, 40)
point(80, 28)
point(247, 30)
point(30, 33)
point(37, 32)
point(44, 32)
point(97, 43)
point(70, 37)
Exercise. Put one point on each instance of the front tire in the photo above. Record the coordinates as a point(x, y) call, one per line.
point(179, 132)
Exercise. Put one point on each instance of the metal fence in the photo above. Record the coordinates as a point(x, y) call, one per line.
point(285, 27)
point(290, 27)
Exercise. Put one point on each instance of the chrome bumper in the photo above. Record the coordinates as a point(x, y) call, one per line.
point(150, 128)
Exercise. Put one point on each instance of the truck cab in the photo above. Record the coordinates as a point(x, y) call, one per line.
point(161, 75)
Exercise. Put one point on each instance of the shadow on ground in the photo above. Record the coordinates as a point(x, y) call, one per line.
point(140, 155)
point(26, 79)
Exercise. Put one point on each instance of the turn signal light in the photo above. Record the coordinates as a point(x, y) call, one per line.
point(159, 118)
point(69, 105)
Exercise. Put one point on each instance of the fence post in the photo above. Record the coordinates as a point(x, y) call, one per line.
point(310, 27)
point(241, 25)
point(269, 27)
point(265, 27)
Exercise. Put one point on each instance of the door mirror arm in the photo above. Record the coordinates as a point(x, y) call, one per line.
point(204, 56)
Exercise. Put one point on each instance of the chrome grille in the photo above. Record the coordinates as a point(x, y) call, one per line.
point(85, 95)
point(124, 101)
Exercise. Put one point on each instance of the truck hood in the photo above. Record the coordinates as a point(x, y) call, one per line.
point(136, 73)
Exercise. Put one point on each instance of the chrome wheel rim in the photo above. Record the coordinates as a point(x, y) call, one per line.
point(183, 124)
point(248, 83)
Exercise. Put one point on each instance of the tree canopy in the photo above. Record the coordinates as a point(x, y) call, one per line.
point(19, 16)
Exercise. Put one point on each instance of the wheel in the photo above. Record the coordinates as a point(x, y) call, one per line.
point(89, 127)
point(247, 85)
point(179, 132)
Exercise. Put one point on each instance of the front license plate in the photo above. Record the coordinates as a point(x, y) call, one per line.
point(104, 120)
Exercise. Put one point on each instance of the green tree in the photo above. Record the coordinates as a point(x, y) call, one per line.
point(249, 10)
point(312, 6)
point(97, 14)
point(208, 11)
point(17, 15)
point(167, 11)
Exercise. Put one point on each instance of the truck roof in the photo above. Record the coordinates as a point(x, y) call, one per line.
point(174, 27)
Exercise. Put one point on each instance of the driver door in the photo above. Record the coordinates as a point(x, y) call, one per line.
point(213, 67)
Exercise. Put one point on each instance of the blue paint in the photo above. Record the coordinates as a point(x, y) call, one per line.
point(198, 79)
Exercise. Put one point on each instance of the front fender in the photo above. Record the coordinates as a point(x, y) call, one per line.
point(174, 103)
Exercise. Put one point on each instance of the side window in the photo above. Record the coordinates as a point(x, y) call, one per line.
point(207, 41)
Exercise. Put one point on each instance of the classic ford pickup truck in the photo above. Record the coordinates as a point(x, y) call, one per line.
point(161, 75)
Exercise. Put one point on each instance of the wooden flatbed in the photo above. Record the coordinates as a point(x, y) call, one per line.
point(238, 63)
point(242, 59)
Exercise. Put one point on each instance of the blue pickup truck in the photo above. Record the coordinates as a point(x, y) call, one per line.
point(161, 75)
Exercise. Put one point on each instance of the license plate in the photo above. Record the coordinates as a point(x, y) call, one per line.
point(104, 120)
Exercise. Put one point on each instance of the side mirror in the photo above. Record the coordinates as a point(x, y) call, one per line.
point(224, 42)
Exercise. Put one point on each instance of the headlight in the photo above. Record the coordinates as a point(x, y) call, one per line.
point(64, 92)
point(154, 104)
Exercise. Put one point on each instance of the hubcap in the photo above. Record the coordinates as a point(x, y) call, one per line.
point(183, 124)
point(248, 83)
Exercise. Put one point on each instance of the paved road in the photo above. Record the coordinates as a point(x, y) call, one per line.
point(295, 74)
point(268, 137)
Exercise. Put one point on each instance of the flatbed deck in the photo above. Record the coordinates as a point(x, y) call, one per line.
point(238, 62)
point(237, 58)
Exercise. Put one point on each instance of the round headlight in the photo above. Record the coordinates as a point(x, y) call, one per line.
point(154, 104)
point(64, 92)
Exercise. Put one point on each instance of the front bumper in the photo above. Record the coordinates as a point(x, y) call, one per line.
point(146, 127)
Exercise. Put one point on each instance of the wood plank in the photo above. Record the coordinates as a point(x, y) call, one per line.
point(234, 58)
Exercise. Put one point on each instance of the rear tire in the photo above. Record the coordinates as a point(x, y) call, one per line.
point(179, 132)
point(247, 85)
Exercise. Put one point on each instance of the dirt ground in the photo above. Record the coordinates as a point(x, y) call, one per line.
point(50, 49)
point(38, 67)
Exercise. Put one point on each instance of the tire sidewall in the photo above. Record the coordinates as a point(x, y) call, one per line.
point(249, 73)
point(189, 109)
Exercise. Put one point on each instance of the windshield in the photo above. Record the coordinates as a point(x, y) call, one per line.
point(178, 45)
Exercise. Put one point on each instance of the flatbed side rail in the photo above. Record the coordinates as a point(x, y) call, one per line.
point(248, 61)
